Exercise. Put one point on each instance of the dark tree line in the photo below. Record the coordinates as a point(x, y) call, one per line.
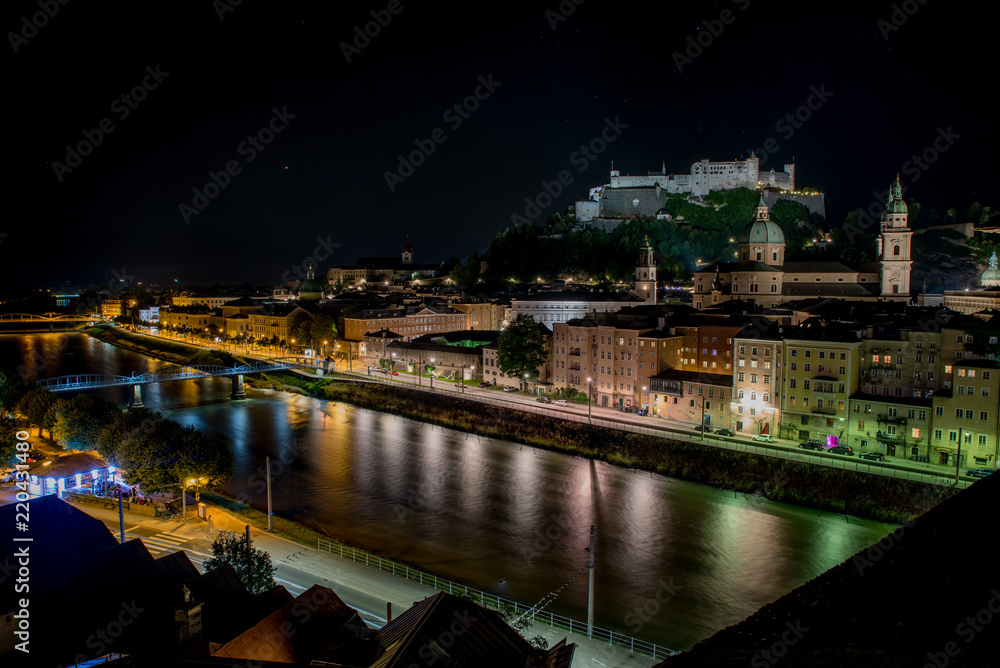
point(150, 450)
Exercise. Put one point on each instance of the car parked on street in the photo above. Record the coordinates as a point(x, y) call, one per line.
point(979, 473)
point(763, 438)
point(725, 432)
point(704, 428)
point(560, 402)
point(872, 456)
point(543, 400)
point(508, 388)
point(842, 450)
point(811, 445)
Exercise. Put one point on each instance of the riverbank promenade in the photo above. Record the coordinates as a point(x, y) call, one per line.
point(369, 590)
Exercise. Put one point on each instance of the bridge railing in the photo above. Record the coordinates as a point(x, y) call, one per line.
point(494, 602)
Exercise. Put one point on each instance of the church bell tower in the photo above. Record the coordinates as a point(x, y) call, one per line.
point(645, 274)
point(893, 245)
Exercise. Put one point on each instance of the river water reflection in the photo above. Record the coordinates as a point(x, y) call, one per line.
point(481, 511)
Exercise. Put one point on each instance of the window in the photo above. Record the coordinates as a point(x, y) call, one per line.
point(740, 377)
point(953, 436)
point(767, 380)
point(937, 434)
point(808, 367)
point(822, 354)
point(791, 383)
point(893, 412)
point(808, 353)
point(982, 439)
point(791, 400)
point(753, 378)
point(984, 415)
point(794, 366)
point(986, 391)
point(986, 374)
point(969, 413)
point(939, 410)
point(805, 384)
point(959, 412)
point(805, 401)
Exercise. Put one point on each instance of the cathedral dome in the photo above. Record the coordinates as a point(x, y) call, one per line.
point(761, 232)
point(991, 277)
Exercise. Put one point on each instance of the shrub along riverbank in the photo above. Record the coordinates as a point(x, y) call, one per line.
point(870, 496)
point(168, 351)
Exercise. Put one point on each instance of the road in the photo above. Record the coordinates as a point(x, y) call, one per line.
point(368, 590)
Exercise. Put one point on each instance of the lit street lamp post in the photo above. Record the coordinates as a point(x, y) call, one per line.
point(590, 400)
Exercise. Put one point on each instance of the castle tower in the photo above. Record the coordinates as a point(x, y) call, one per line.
point(761, 240)
point(407, 253)
point(645, 274)
point(893, 245)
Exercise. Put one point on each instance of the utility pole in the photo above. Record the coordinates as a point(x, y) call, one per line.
point(703, 417)
point(121, 515)
point(270, 512)
point(590, 591)
point(958, 457)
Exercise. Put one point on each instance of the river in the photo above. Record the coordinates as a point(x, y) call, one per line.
point(676, 561)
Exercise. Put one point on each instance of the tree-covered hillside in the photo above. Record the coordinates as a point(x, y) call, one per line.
point(703, 231)
point(699, 232)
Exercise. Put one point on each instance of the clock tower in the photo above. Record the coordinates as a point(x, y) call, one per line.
point(893, 246)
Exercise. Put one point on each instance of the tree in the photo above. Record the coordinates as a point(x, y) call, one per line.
point(323, 328)
point(160, 453)
point(521, 347)
point(300, 328)
point(35, 405)
point(79, 421)
point(12, 389)
point(8, 442)
point(253, 567)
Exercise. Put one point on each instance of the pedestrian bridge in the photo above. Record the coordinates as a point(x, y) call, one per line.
point(90, 381)
point(49, 319)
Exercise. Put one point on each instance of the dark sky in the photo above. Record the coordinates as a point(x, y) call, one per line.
point(324, 174)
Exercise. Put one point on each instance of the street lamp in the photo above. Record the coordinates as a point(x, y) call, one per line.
point(590, 400)
point(525, 382)
point(432, 373)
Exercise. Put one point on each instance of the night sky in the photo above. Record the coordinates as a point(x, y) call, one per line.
point(553, 84)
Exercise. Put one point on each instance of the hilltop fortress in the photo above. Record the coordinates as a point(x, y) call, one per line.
point(627, 197)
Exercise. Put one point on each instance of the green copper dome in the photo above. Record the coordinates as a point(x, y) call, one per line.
point(762, 232)
point(991, 277)
point(895, 203)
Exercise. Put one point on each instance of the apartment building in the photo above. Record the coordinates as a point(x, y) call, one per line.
point(819, 375)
